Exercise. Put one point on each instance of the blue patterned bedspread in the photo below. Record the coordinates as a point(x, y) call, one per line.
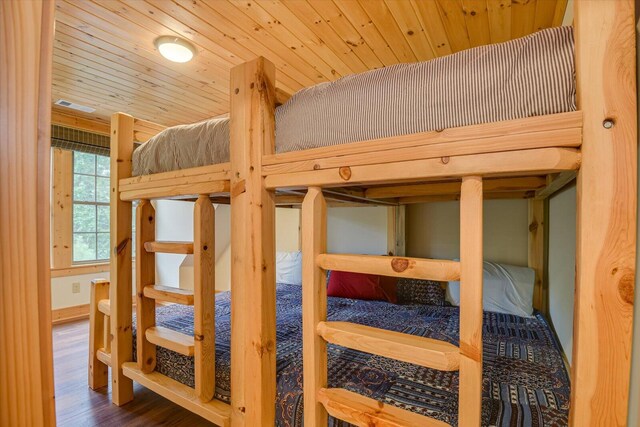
point(525, 381)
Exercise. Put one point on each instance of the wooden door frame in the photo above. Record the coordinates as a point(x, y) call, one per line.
point(26, 359)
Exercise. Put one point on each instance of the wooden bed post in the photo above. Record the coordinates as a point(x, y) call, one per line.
point(606, 211)
point(98, 371)
point(537, 252)
point(314, 305)
point(471, 262)
point(145, 275)
point(253, 316)
point(120, 290)
point(204, 289)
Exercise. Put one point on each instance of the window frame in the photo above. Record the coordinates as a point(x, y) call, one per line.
point(62, 220)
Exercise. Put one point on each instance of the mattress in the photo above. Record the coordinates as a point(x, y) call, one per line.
point(524, 378)
point(529, 76)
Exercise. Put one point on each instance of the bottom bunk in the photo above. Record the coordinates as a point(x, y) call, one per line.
point(525, 380)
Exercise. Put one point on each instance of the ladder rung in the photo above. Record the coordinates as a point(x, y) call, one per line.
point(169, 247)
point(363, 411)
point(169, 294)
point(103, 356)
point(415, 268)
point(421, 351)
point(171, 340)
point(104, 307)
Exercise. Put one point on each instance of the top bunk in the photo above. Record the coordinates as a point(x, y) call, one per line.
point(492, 100)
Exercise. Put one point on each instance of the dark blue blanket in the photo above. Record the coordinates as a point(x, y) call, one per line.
point(525, 381)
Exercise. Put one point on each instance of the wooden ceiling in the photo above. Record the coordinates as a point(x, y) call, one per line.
point(104, 55)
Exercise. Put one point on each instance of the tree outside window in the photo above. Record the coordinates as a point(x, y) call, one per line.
point(90, 207)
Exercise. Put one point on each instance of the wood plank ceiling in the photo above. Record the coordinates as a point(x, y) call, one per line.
point(104, 55)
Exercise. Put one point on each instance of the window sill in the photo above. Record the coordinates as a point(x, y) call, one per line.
point(77, 270)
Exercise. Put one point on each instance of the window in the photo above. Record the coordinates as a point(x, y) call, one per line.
point(90, 207)
point(80, 214)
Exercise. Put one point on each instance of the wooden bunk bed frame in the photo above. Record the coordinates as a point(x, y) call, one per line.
point(532, 157)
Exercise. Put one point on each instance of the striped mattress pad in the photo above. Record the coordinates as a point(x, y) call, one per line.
point(529, 76)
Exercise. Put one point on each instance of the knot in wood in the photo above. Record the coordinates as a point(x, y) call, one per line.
point(121, 247)
point(626, 287)
point(198, 337)
point(533, 226)
point(445, 160)
point(345, 173)
point(399, 264)
point(266, 348)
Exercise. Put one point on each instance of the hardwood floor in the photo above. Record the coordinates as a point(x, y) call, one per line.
point(78, 405)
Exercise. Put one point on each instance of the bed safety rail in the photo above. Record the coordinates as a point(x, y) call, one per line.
point(202, 344)
point(321, 401)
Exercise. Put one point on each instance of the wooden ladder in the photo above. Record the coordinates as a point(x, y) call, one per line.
point(202, 344)
point(321, 401)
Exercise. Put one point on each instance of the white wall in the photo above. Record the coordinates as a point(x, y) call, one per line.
point(357, 230)
point(433, 230)
point(174, 222)
point(62, 295)
point(287, 230)
point(61, 289)
point(562, 265)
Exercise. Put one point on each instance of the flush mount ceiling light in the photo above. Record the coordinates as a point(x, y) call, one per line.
point(175, 49)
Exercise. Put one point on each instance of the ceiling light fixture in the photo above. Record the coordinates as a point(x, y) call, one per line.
point(175, 49)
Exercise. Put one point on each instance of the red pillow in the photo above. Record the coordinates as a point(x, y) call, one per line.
point(343, 284)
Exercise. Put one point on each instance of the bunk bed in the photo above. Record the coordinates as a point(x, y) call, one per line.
point(536, 155)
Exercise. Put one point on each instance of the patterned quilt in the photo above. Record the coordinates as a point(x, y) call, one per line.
point(525, 381)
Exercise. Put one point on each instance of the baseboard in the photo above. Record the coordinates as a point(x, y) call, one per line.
point(70, 314)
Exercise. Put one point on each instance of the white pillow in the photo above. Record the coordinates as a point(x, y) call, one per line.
point(289, 267)
point(506, 289)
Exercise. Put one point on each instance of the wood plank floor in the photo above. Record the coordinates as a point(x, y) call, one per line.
point(78, 405)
